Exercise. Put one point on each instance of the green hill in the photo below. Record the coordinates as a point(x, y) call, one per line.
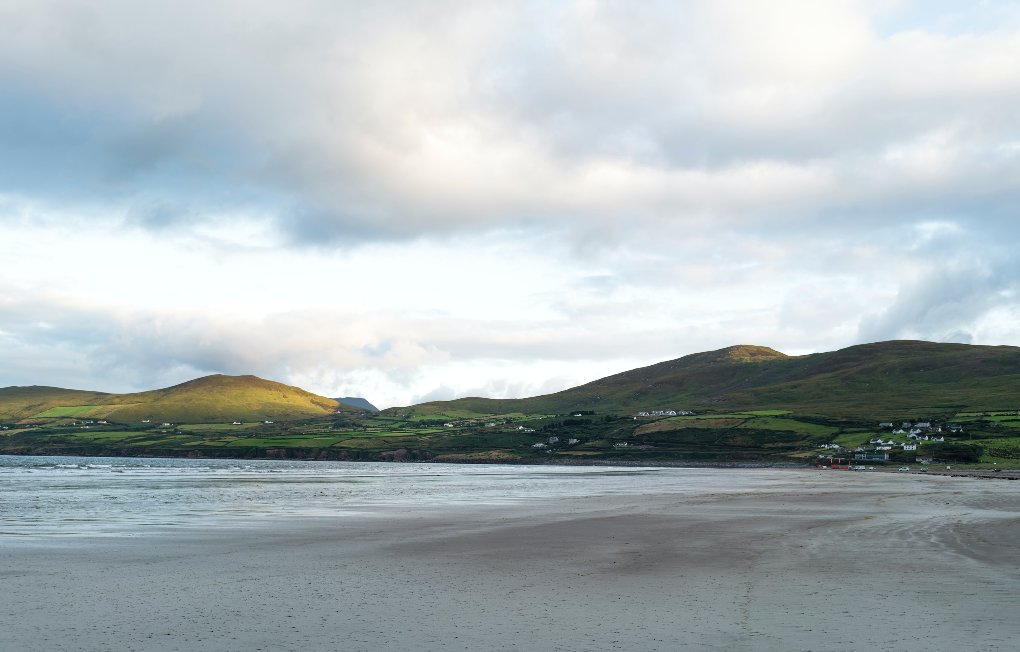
point(23, 402)
point(885, 378)
point(203, 400)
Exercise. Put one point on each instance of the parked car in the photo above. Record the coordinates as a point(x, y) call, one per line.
point(904, 468)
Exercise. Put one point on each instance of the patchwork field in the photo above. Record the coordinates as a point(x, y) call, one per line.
point(759, 437)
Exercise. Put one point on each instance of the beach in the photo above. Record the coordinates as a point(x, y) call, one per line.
point(800, 560)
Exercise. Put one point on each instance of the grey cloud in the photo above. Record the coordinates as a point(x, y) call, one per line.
point(945, 303)
point(354, 122)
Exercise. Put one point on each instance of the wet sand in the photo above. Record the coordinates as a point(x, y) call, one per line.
point(828, 561)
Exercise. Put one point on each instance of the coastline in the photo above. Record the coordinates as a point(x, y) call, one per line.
point(987, 473)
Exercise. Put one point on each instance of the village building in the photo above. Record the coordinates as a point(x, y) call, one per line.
point(871, 456)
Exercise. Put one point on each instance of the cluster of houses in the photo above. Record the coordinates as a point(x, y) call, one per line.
point(84, 424)
point(915, 432)
point(554, 440)
point(666, 413)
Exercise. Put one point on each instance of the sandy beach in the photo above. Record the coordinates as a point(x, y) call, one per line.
point(823, 561)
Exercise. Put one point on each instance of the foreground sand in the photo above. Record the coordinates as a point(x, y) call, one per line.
point(829, 561)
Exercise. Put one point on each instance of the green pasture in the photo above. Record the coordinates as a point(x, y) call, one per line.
point(762, 420)
point(286, 442)
point(102, 435)
point(793, 425)
point(700, 417)
point(219, 427)
point(69, 411)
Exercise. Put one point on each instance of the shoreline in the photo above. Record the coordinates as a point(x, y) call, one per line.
point(987, 473)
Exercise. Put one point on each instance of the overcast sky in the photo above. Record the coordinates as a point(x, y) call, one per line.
point(419, 200)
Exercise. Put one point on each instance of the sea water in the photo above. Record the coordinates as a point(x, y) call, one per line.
point(95, 496)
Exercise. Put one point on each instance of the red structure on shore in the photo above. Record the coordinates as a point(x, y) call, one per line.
point(839, 463)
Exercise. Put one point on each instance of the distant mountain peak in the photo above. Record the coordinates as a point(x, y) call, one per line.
point(749, 353)
point(358, 402)
point(740, 354)
point(224, 380)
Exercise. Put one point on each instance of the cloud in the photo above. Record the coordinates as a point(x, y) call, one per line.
point(957, 280)
point(355, 122)
point(945, 304)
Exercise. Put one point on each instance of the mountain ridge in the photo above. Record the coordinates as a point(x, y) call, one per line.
point(217, 397)
point(872, 378)
point(860, 379)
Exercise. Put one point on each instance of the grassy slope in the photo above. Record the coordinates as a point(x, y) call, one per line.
point(22, 402)
point(209, 399)
point(886, 378)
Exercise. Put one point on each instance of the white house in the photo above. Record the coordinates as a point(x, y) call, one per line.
point(910, 447)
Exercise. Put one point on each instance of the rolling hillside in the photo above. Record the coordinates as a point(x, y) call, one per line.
point(210, 399)
point(885, 378)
